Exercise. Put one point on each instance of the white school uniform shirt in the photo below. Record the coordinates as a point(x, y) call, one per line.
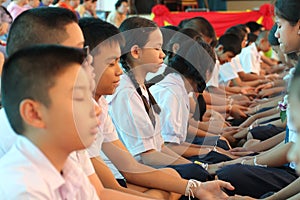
point(107, 133)
point(173, 99)
point(8, 137)
point(28, 174)
point(7, 134)
point(131, 120)
point(250, 59)
point(227, 73)
point(214, 80)
point(236, 64)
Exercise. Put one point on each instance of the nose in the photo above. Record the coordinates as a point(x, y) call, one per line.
point(276, 34)
point(119, 70)
point(162, 55)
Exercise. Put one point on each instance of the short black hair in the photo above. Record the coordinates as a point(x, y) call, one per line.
point(193, 60)
point(119, 2)
point(254, 26)
point(203, 27)
point(45, 25)
point(271, 38)
point(96, 31)
point(29, 74)
point(230, 42)
point(238, 31)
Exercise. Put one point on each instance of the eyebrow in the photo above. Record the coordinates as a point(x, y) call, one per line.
point(111, 58)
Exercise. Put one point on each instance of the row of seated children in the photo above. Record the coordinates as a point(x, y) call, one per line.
point(133, 57)
point(38, 19)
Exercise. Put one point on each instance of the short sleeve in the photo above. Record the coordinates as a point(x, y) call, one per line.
point(133, 123)
point(214, 80)
point(83, 159)
point(227, 73)
point(174, 112)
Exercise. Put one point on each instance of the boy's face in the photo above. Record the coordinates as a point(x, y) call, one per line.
point(70, 118)
point(225, 56)
point(123, 9)
point(75, 36)
point(107, 68)
point(264, 45)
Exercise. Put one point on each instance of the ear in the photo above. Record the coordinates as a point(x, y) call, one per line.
point(31, 113)
point(175, 47)
point(135, 51)
point(219, 49)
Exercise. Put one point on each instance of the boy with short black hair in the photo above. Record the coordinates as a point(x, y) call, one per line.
point(39, 113)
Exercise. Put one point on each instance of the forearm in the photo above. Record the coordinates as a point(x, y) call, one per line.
point(291, 190)
point(193, 132)
point(275, 157)
point(156, 158)
point(267, 118)
point(187, 150)
point(267, 144)
point(108, 179)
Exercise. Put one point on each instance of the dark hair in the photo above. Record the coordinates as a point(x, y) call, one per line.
point(238, 31)
point(187, 61)
point(251, 38)
point(96, 31)
point(167, 33)
point(29, 74)
point(119, 2)
point(230, 42)
point(288, 10)
point(203, 27)
point(182, 23)
point(136, 31)
point(45, 25)
point(271, 37)
point(254, 26)
point(180, 37)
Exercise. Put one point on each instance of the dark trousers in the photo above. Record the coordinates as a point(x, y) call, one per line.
point(255, 181)
point(192, 171)
point(209, 141)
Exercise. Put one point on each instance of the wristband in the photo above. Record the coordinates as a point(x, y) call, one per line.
point(258, 165)
point(192, 183)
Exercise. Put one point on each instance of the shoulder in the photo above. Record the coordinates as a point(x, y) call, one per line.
point(22, 178)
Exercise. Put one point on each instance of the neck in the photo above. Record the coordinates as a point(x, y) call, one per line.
point(56, 155)
point(97, 96)
point(21, 3)
point(139, 75)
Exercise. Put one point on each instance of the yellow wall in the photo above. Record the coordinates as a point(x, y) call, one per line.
point(244, 5)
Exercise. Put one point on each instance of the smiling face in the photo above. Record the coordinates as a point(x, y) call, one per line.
point(70, 118)
point(107, 68)
point(151, 55)
point(288, 35)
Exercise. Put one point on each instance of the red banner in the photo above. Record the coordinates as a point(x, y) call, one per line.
point(219, 20)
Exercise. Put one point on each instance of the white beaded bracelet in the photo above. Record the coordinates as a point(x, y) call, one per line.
point(258, 165)
point(192, 183)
